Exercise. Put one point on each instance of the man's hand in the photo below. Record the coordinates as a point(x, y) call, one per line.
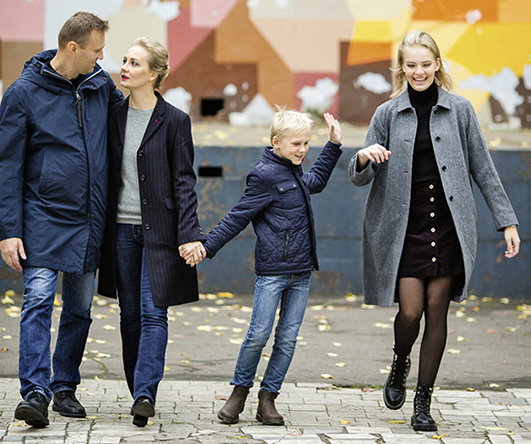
point(12, 250)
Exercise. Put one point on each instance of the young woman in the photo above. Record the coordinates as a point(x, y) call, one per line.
point(422, 150)
point(151, 217)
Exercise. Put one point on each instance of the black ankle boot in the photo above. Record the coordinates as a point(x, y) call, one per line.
point(394, 392)
point(421, 419)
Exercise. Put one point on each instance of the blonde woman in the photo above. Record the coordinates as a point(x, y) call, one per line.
point(422, 151)
point(151, 217)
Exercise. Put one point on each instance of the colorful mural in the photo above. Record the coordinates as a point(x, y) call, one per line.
point(234, 60)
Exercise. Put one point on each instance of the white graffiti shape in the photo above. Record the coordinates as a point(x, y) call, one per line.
point(167, 10)
point(320, 97)
point(501, 86)
point(527, 77)
point(374, 82)
point(180, 98)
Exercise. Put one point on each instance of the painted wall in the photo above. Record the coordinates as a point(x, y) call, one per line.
point(235, 59)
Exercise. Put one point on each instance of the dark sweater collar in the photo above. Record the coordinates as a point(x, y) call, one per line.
point(426, 97)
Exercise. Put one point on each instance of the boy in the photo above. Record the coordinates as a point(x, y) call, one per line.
point(277, 202)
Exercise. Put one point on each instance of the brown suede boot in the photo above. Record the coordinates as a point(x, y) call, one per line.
point(267, 413)
point(234, 405)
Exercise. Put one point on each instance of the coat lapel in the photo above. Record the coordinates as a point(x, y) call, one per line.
point(156, 119)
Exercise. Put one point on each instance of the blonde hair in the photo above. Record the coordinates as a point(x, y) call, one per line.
point(285, 120)
point(158, 58)
point(79, 27)
point(442, 78)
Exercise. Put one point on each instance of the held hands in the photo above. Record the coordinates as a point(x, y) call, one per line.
point(11, 249)
point(333, 128)
point(192, 252)
point(513, 242)
point(375, 153)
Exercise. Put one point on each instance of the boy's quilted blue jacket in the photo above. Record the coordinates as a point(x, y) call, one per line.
point(277, 202)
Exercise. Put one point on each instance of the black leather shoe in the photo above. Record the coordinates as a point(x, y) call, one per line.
point(394, 392)
point(66, 404)
point(142, 410)
point(33, 410)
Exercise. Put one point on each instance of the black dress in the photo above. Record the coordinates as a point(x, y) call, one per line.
point(431, 246)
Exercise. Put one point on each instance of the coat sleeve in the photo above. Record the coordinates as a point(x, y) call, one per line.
point(317, 178)
point(378, 133)
point(256, 197)
point(13, 133)
point(184, 181)
point(484, 173)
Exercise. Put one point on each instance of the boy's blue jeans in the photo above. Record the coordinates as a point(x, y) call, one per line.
point(292, 293)
point(143, 327)
point(35, 336)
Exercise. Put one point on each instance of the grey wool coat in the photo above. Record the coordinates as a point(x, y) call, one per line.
point(461, 155)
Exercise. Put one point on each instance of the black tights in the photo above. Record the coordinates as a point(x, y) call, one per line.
point(430, 296)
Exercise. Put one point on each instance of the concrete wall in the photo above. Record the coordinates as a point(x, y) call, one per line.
point(338, 214)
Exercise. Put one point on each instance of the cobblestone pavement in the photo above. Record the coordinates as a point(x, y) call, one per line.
point(315, 414)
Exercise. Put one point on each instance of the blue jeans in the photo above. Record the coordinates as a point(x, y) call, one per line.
point(292, 293)
point(144, 327)
point(35, 336)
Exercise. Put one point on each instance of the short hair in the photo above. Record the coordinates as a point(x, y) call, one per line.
point(285, 120)
point(79, 27)
point(158, 58)
point(422, 38)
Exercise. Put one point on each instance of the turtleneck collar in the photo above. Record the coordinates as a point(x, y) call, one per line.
point(426, 97)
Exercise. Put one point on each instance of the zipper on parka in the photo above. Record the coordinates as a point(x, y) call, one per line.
point(78, 103)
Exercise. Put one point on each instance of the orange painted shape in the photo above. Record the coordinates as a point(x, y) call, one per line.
point(368, 52)
point(454, 10)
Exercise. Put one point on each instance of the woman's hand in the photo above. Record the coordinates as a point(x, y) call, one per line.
point(513, 241)
point(375, 153)
point(333, 128)
point(192, 252)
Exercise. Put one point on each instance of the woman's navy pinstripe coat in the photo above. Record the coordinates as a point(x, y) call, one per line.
point(168, 202)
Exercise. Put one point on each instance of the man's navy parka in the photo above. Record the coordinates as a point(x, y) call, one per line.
point(53, 165)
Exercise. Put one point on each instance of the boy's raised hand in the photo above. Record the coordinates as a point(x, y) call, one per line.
point(333, 127)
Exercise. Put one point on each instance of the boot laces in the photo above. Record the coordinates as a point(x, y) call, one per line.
point(399, 370)
point(423, 399)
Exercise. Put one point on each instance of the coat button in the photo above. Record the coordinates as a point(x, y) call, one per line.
point(444, 168)
point(433, 244)
point(451, 198)
point(142, 178)
point(432, 214)
point(432, 199)
point(433, 230)
point(437, 139)
point(147, 226)
point(140, 153)
point(431, 186)
point(144, 201)
point(433, 259)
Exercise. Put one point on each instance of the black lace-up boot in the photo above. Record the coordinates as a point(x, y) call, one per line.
point(394, 392)
point(421, 419)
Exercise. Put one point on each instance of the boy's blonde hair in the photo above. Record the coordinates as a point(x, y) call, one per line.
point(285, 120)
point(422, 38)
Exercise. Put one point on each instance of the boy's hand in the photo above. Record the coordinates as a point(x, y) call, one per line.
point(192, 252)
point(333, 127)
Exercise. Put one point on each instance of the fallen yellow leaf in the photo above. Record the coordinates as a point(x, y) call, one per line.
point(326, 376)
point(343, 421)
point(225, 294)
point(398, 421)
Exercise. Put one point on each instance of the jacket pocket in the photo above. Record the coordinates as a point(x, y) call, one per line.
point(170, 203)
point(286, 246)
point(289, 195)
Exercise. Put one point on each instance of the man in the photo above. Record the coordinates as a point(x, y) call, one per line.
point(53, 182)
